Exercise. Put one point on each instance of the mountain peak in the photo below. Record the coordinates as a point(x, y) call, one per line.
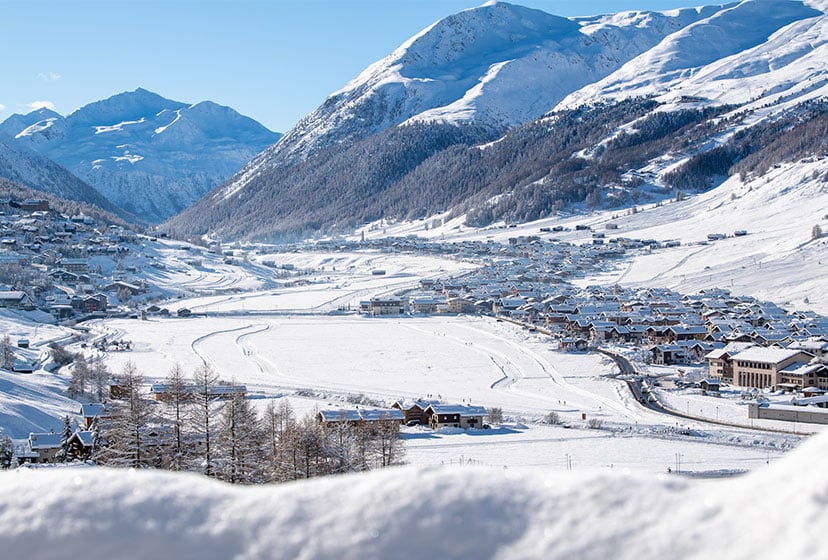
point(125, 106)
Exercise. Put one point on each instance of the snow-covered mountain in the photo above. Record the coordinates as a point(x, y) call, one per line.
point(379, 143)
point(149, 155)
point(28, 167)
point(499, 65)
point(758, 51)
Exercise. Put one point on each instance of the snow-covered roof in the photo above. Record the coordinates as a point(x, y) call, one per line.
point(765, 355)
point(373, 415)
point(339, 415)
point(93, 410)
point(464, 410)
point(44, 440)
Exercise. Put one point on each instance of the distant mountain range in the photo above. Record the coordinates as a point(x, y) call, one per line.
point(24, 166)
point(148, 155)
point(508, 113)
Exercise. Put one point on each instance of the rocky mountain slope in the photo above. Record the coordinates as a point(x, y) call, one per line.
point(149, 155)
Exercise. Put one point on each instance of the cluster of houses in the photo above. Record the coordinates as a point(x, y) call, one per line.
point(63, 257)
point(44, 447)
point(530, 281)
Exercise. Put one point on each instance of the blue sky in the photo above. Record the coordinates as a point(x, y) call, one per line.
point(272, 60)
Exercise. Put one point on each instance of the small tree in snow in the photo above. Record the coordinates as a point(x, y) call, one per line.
point(496, 415)
point(80, 376)
point(816, 232)
point(552, 418)
point(99, 377)
point(7, 353)
point(6, 452)
point(65, 454)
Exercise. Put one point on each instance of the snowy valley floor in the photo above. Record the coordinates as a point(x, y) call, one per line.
point(322, 362)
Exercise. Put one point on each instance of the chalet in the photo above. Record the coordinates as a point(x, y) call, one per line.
point(571, 344)
point(455, 416)
point(818, 346)
point(798, 376)
point(425, 303)
point(459, 305)
point(668, 354)
point(23, 366)
point(506, 305)
point(64, 275)
point(91, 412)
point(373, 415)
point(328, 417)
point(46, 445)
point(81, 445)
point(685, 332)
point(95, 303)
point(125, 286)
point(414, 412)
point(34, 205)
point(710, 385)
point(15, 299)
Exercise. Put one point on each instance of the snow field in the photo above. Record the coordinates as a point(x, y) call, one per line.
point(323, 361)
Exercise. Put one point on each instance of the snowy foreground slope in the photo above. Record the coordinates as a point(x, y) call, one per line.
point(440, 512)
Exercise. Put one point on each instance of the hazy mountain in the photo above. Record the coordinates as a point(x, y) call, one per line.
point(149, 155)
point(381, 147)
point(27, 167)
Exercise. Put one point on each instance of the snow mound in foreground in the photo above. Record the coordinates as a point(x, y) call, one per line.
point(449, 512)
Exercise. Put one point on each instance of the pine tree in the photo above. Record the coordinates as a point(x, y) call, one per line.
point(64, 454)
point(126, 428)
point(205, 415)
point(388, 449)
point(309, 449)
point(341, 445)
point(6, 353)
point(99, 377)
point(278, 422)
point(239, 442)
point(6, 452)
point(176, 400)
point(80, 376)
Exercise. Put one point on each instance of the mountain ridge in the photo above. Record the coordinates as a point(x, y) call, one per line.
point(579, 64)
point(149, 155)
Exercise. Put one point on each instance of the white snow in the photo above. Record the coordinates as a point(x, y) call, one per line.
point(116, 127)
point(448, 512)
point(161, 129)
point(36, 127)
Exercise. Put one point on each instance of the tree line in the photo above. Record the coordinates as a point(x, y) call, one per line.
point(194, 429)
